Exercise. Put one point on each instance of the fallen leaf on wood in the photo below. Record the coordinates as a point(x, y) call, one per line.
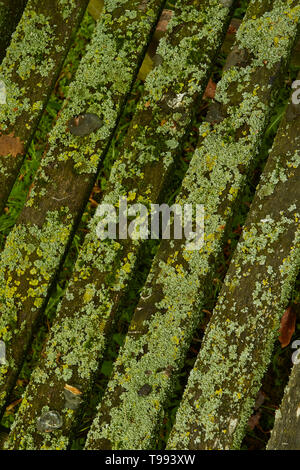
point(231, 29)
point(234, 25)
point(22, 382)
point(164, 20)
point(10, 145)
point(210, 90)
point(93, 202)
point(254, 420)
point(13, 404)
point(73, 390)
point(287, 327)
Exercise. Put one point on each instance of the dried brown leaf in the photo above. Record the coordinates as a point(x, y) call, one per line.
point(10, 145)
point(287, 326)
point(254, 420)
point(210, 90)
point(73, 390)
point(164, 20)
point(13, 404)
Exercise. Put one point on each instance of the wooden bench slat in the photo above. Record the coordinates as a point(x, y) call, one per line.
point(10, 14)
point(37, 244)
point(29, 71)
point(238, 343)
point(131, 410)
point(103, 269)
point(286, 432)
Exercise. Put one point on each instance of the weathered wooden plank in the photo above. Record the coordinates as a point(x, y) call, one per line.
point(29, 71)
point(286, 431)
point(168, 312)
point(239, 339)
point(10, 14)
point(37, 244)
point(103, 269)
point(286, 434)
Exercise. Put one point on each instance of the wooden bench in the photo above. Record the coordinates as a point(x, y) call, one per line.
point(239, 338)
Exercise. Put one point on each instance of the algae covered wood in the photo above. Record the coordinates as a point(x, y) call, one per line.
point(238, 342)
point(131, 410)
point(10, 14)
point(29, 71)
point(104, 268)
point(36, 246)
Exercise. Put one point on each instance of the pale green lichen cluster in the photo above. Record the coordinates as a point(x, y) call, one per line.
point(157, 345)
point(32, 253)
point(29, 256)
point(66, 7)
point(270, 39)
point(267, 46)
point(32, 40)
point(96, 86)
point(102, 81)
point(28, 71)
point(107, 91)
point(103, 269)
